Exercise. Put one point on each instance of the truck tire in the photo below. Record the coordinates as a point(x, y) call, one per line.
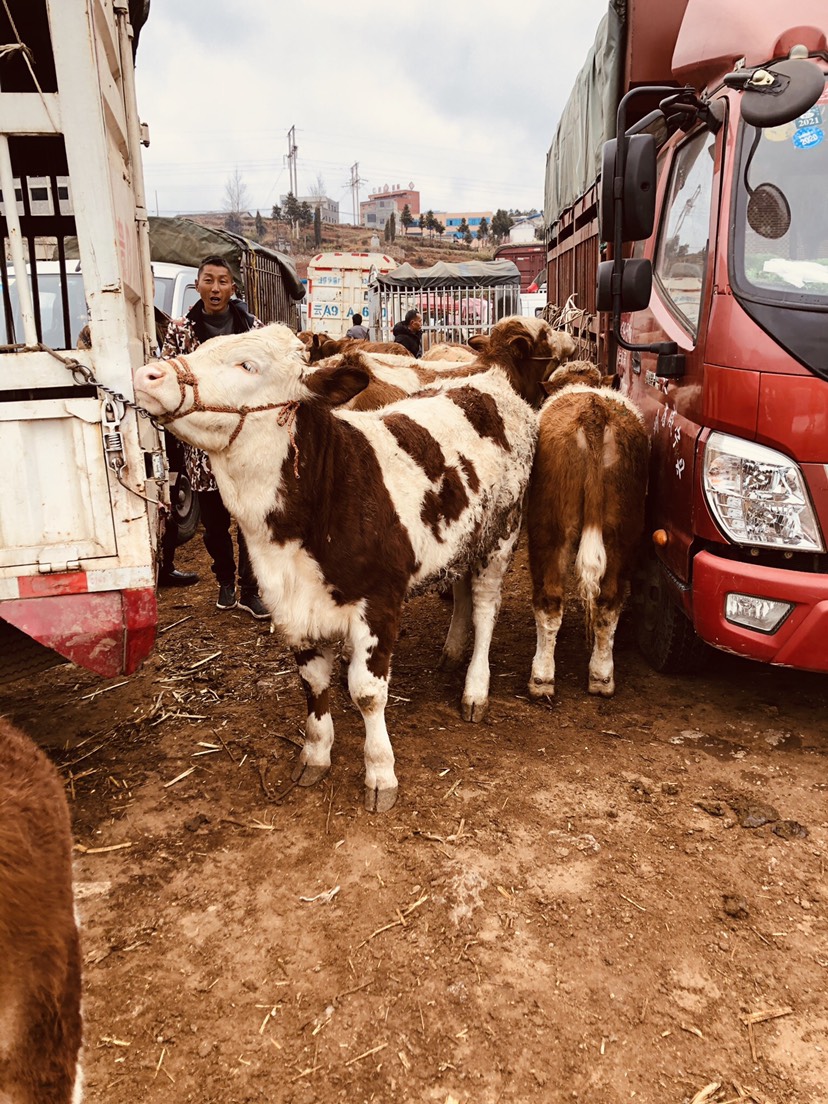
point(185, 508)
point(21, 657)
point(663, 633)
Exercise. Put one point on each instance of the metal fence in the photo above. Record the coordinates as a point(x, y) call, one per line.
point(450, 314)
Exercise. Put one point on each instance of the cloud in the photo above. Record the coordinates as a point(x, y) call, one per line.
point(462, 98)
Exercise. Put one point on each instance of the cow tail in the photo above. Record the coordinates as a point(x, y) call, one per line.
point(591, 558)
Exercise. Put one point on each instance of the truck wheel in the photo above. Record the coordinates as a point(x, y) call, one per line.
point(185, 508)
point(665, 636)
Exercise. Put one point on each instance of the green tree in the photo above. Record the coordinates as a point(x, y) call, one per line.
point(305, 214)
point(439, 228)
point(260, 226)
point(291, 209)
point(317, 227)
point(468, 237)
point(276, 212)
point(462, 229)
point(429, 223)
point(483, 229)
point(406, 218)
point(501, 224)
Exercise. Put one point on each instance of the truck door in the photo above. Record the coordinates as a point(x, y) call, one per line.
point(682, 251)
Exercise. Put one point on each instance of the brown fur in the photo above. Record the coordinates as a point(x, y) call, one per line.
point(322, 347)
point(590, 469)
point(40, 976)
point(446, 351)
point(527, 349)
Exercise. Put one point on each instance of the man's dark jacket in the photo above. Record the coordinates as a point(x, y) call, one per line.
point(406, 336)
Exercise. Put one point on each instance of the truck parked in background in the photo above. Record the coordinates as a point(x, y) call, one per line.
point(338, 286)
point(711, 306)
point(528, 256)
point(85, 478)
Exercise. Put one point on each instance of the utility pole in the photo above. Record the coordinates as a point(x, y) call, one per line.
point(355, 183)
point(293, 173)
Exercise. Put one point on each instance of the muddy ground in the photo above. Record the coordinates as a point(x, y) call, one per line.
point(596, 901)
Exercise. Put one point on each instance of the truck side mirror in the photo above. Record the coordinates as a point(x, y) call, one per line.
point(636, 285)
point(639, 190)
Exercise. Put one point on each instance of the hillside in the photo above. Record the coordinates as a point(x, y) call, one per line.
point(416, 251)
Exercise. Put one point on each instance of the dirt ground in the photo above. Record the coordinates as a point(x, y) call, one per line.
point(595, 901)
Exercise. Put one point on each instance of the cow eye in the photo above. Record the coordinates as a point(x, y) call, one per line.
point(248, 367)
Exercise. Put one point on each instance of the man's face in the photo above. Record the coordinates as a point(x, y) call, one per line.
point(416, 324)
point(215, 286)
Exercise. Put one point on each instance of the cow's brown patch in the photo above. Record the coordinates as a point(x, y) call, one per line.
point(470, 471)
point(416, 440)
point(481, 411)
point(446, 504)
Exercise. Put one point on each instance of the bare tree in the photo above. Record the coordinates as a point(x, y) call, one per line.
point(236, 201)
point(317, 190)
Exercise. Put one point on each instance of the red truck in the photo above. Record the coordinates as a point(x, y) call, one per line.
point(692, 157)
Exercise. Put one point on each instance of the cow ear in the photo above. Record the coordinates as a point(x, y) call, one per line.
point(338, 384)
point(479, 342)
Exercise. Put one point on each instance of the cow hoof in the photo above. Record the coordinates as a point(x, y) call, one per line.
point(474, 711)
point(380, 801)
point(450, 662)
point(601, 688)
point(539, 689)
point(304, 774)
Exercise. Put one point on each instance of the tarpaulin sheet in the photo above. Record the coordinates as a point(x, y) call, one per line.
point(444, 275)
point(184, 241)
point(587, 121)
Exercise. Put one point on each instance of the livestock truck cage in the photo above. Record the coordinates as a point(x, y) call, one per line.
point(265, 279)
point(456, 301)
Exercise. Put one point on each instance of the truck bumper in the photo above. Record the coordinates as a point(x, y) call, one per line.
point(109, 632)
point(801, 640)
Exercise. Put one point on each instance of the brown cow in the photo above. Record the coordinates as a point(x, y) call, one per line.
point(322, 347)
point(40, 976)
point(528, 349)
point(444, 350)
point(587, 490)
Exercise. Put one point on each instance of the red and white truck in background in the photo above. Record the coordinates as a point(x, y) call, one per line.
point(338, 288)
point(84, 478)
point(709, 204)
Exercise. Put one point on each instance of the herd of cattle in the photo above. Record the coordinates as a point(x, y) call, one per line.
point(359, 476)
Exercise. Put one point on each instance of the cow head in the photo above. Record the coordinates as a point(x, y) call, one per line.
point(583, 372)
point(528, 349)
point(206, 395)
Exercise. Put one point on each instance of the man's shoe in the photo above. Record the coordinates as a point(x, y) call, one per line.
point(175, 578)
point(253, 604)
point(226, 596)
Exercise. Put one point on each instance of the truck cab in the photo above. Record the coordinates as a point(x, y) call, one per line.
point(738, 419)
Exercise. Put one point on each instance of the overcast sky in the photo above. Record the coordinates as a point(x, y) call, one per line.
point(460, 97)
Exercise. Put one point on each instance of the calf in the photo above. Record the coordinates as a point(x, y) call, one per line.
point(346, 512)
point(40, 977)
point(587, 491)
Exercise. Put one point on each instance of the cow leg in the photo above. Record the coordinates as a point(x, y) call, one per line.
point(461, 620)
point(548, 604)
point(486, 586)
point(368, 676)
point(315, 667)
point(604, 618)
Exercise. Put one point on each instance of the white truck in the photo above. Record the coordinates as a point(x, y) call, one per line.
point(85, 477)
point(338, 288)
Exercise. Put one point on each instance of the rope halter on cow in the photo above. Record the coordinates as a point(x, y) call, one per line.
point(185, 378)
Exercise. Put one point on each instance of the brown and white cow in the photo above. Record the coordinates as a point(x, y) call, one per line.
point(40, 975)
point(346, 512)
point(586, 499)
point(321, 347)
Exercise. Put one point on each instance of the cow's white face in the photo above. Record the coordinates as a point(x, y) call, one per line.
point(231, 374)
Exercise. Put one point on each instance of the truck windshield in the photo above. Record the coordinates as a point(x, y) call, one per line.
point(781, 239)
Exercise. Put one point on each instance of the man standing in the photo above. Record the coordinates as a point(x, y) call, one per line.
point(357, 331)
point(216, 313)
point(410, 333)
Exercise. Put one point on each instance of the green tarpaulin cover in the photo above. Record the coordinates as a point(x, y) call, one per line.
point(443, 275)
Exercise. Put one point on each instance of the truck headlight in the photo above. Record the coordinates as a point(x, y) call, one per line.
point(758, 495)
